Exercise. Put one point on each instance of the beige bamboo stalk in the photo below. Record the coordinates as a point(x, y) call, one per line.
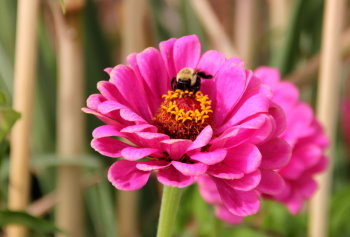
point(327, 103)
point(278, 17)
point(244, 28)
point(303, 75)
point(133, 40)
point(70, 120)
point(24, 83)
point(214, 29)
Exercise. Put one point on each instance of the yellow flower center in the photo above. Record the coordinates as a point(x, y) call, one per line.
point(183, 114)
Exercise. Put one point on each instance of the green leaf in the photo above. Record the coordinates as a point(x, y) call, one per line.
point(244, 231)
point(3, 100)
point(284, 57)
point(63, 7)
point(45, 161)
point(22, 218)
point(340, 208)
point(7, 117)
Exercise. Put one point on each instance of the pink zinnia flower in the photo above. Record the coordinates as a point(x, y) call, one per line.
point(225, 131)
point(304, 134)
point(306, 137)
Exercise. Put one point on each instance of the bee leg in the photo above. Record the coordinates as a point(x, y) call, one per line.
point(197, 85)
point(204, 76)
point(173, 83)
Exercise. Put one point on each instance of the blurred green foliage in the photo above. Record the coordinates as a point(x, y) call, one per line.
point(22, 218)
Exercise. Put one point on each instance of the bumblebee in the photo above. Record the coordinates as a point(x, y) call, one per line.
point(188, 79)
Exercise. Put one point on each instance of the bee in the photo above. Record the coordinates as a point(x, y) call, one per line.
point(188, 79)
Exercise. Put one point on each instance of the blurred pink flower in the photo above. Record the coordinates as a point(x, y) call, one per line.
point(306, 137)
point(304, 134)
point(226, 132)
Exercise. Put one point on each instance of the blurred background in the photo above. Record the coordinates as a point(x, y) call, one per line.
point(71, 42)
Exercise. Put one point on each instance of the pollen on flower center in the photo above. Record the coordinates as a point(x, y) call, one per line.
point(183, 114)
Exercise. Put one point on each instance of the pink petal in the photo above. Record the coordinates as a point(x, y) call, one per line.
point(275, 154)
point(247, 182)
point(110, 92)
point(293, 170)
point(268, 75)
point(126, 81)
point(271, 183)
point(152, 165)
point(103, 118)
point(245, 158)
point(250, 131)
point(253, 105)
point(236, 61)
point(239, 203)
point(107, 131)
point(139, 128)
point(286, 95)
point(166, 50)
point(171, 177)
point(222, 213)
point(134, 153)
point(131, 116)
point(308, 154)
point(108, 146)
point(94, 101)
point(265, 132)
point(110, 106)
point(299, 118)
point(280, 119)
point(187, 51)
point(152, 68)
point(108, 70)
point(307, 187)
point(202, 139)
point(125, 115)
point(190, 169)
point(320, 166)
point(230, 84)
point(124, 175)
point(148, 139)
point(208, 190)
point(132, 60)
point(211, 61)
point(223, 171)
point(210, 157)
point(153, 104)
point(294, 203)
point(176, 148)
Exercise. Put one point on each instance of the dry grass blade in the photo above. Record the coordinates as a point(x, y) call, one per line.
point(304, 74)
point(328, 96)
point(24, 79)
point(71, 123)
point(214, 29)
point(245, 29)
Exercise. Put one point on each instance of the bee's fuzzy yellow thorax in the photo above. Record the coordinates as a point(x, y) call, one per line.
point(183, 114)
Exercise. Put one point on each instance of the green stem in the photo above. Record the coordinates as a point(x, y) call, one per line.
point(168, 209)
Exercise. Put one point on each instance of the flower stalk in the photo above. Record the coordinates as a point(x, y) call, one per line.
point(168, 210)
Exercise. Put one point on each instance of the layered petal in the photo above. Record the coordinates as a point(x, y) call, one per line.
point(239, 203)
point(124, 175)
point(186, 52)
point(108, 146)
point(191, 169)
point(172, 177)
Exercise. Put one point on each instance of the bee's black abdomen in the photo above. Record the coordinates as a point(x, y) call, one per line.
point(183, 85)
